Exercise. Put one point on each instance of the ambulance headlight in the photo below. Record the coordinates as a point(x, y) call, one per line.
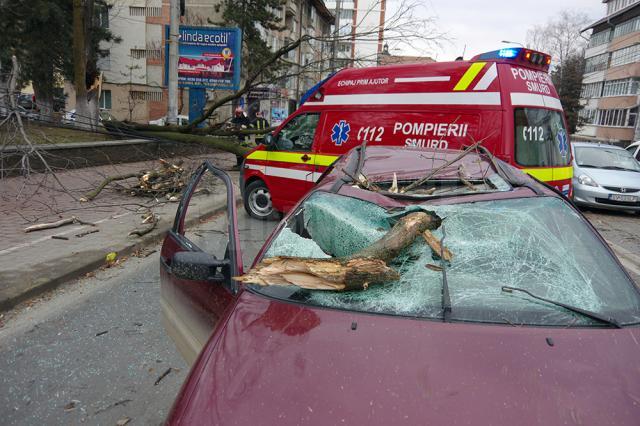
point(586, 180)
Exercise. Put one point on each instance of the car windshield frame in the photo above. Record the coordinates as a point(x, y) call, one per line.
point(529, 312)
point(606, 153)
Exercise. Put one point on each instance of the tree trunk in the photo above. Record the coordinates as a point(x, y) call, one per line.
point(356, 272)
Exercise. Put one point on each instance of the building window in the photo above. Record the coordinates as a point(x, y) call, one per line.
point(621, 87)
point(139, 95)
point(587, 115)
point(624, 56)
point(105, 99)
point(103, 16)
point(104, 60)
point(627, 27)
point(615, 5)
point(617, 117)
point(596, 63)
point(599, 38)
point(145, 11)
point(146, 53)
point(591, 90)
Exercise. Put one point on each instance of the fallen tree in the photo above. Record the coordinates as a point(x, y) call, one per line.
point(356, 272)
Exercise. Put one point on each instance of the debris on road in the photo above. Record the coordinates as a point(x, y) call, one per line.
point(162, 376)
point(101, 333)
point(167, 180)
point(123, 421)
point(59, 237)
point(122, 402)
point(71, 405)
point(151, 220)
point(69, 221)
point(111, 257)
point(85, 233)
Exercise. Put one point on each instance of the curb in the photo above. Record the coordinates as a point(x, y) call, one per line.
point(70, 270)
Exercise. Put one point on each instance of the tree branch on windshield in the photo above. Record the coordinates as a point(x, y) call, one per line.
point(356, 272)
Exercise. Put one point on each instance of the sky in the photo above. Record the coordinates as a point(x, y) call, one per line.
point(481, 25)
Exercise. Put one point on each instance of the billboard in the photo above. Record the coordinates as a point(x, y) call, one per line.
point(208, 57)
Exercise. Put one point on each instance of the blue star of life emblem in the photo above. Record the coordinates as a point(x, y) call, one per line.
point(340, 132)
point(563, 145)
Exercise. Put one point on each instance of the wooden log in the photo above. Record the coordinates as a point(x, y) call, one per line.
point(320, 274)
point(356, 272)
point(402, 235)
point(93, 194)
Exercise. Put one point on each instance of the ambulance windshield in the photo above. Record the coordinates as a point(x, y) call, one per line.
point(541, 138)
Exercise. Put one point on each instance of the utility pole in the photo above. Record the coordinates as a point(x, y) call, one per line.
point(174, 39)
point(336, 34)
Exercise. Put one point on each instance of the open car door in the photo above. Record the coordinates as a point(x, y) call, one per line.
point(199, 257)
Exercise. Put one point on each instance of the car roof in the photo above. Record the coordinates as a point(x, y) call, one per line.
point(407, 163)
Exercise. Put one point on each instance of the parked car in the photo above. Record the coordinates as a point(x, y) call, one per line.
point(183, 120)
point(605, 176)
point(634, 150)
point(533, 320)
point(103, 115)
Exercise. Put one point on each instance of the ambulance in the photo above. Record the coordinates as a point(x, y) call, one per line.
point(503, 98)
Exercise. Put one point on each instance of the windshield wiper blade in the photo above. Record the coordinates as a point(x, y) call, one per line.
point(584, 312)
point(446, 297)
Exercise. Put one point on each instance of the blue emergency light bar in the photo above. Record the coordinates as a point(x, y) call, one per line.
point(517, 54)
point(508, 53)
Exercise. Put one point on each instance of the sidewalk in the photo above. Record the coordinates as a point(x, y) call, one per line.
point(31, 263)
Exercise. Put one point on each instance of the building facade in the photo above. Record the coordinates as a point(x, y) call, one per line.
point(133, 69)
point(360, 30)
point(610, 90)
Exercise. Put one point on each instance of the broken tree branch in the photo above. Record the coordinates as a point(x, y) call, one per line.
point(93, 194)
point(58, 224)
point(356, 272)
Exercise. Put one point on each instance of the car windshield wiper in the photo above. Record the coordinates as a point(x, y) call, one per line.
point(584, 312)
point(446, 297)
point(616, 168)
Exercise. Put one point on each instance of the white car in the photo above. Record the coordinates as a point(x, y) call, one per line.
point(634, 150)
point(183, 120)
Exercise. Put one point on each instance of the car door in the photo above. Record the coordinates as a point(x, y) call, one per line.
point(199, 258)
point(291, 164)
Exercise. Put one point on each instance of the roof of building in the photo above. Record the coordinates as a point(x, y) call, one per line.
point(608, 18)
point(322, 10)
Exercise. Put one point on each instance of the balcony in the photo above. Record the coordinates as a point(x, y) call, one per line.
point(291, 9)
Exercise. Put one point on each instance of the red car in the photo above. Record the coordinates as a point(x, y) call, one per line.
point(523, 315)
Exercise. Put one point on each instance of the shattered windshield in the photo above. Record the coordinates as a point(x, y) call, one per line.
point(538, 244)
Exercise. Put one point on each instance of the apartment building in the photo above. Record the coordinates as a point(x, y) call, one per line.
point(361, 31)
point(134, 68)
point(610, 90)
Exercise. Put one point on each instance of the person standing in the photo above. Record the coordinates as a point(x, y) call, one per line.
point(240, 122)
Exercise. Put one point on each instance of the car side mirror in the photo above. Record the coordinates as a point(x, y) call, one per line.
point(199, 266)
point(269, 140)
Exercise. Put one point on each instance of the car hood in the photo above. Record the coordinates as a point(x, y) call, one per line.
point(275, 363)
point(604, 177)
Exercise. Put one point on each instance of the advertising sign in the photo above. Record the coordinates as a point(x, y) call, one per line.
point(209, 57)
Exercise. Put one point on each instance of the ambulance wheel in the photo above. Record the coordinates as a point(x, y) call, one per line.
point(257, 201)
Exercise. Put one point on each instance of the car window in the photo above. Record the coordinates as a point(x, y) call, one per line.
point(539, 244)
point(605, 158)
point(298, 133)
point(541, 138)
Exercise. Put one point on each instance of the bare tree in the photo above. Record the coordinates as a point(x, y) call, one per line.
point(560, 37)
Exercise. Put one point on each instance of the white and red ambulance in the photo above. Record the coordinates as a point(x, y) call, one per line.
point(505, 98)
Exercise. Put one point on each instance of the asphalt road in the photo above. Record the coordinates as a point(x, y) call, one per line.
point(92, 352)
point(95, 352)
